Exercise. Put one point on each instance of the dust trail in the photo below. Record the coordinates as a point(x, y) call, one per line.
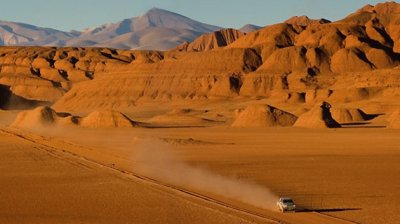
point(156, 160)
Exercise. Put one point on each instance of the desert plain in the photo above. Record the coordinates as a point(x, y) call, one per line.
point(212, 131)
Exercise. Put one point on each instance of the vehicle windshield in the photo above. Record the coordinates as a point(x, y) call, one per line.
point(288, 201)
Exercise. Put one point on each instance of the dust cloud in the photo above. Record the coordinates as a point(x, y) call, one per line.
point(156, 160)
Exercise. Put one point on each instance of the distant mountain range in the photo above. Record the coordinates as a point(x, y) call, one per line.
point(157, 29)
point(249, 28)
point(12, 33)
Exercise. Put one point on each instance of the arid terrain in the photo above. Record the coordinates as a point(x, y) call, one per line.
point(348, 174)
point(212, 131)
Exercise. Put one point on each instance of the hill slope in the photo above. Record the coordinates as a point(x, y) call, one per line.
point(212, 40)
point(353, 60)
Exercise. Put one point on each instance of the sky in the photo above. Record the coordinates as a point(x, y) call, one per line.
point(79, 14)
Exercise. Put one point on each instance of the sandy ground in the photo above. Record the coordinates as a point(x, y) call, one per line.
point(350, 174)
point(42, 186)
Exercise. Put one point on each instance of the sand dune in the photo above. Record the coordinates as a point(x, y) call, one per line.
point(43, 117)
point(263, 116)
point(317, 117)
point(106, 119)
point(351, 115)
point(182, 117)
point(394, 120)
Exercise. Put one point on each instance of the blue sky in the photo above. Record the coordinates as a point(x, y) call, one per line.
point(78, 14)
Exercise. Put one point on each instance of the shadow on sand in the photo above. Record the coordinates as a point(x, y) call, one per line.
point(364, 124)
point(327, 209)
point(361, 125)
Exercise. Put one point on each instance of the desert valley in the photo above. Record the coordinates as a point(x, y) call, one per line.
point(175, 121)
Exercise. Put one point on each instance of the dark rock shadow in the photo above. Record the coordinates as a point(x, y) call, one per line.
point(10, 101)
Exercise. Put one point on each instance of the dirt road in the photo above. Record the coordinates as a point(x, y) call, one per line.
point(46, 182)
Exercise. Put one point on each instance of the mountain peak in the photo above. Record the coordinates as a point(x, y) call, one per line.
point(305, 21)
point(157, 29)
point(249, 28)
point(155, 10)
point(158, 12)
point(382, 8)
point(161, 18)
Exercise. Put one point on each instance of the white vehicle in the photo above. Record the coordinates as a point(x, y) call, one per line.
point(286, 204)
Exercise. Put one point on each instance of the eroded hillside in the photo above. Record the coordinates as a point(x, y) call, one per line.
point(300, 61)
